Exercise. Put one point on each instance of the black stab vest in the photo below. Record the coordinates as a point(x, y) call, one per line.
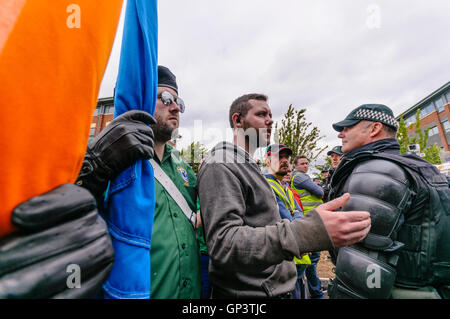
point(425, 223)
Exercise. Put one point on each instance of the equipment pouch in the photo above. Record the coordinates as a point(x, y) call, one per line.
point(364, 273)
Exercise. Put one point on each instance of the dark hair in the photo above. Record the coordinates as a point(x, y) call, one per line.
point(298, 157)
point(390, 131)
point(241, 105)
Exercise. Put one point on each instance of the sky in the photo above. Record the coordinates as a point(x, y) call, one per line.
point(326, 56)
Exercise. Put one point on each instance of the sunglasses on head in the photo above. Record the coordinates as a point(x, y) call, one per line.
point(167, 98)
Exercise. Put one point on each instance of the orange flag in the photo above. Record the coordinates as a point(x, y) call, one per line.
point(53, 55)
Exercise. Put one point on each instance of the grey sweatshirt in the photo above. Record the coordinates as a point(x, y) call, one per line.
point(251, 248)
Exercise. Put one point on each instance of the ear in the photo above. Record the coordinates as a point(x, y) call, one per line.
point(237, 120)
point(376, 130)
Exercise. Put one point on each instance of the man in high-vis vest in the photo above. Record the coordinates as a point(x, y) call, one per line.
point(311, 196)
point(277, 161)
point(310, 193)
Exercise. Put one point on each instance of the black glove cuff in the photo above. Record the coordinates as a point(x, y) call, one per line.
point(94, 174)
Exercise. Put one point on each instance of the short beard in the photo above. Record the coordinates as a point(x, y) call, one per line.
point(163, 133)
point(281, 173)
point(253, 136)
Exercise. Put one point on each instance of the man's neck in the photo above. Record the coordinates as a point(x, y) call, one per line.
point(278, 177)
point(385, 145)
point(239, 139)
point(241, 142)
point(159, 148)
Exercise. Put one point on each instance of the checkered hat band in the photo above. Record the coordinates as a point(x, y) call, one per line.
point(376, 116)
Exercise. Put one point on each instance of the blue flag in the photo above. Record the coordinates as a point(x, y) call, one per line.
point(130, 199)
point(137, 80)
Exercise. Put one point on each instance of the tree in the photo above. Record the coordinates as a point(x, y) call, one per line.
point(402, 136)
point(431, 153)
point(298, 134)
point(193, 155)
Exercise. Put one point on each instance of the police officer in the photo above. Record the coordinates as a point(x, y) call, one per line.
point(335, 154)
point(407, 251)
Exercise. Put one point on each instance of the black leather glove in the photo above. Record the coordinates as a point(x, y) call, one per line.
point(127, 139)
point(61, 242)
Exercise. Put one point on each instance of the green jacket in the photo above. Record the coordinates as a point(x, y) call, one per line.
point(175, 260)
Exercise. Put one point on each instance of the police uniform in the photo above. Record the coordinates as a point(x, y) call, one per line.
point(327, 182)
point(407, 251)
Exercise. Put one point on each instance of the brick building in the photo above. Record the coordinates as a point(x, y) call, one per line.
point(435, 113)
point(103, 114)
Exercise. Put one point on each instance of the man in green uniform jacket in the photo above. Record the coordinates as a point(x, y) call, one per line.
point(175, 260)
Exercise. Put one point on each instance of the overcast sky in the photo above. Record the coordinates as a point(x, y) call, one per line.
point(326, 56)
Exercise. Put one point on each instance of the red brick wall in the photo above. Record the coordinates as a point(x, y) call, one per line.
point(101, 121)
point(435, 117)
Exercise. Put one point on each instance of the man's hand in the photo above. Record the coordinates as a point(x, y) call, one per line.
point(199, 221)
point(344, 228)
point(127, 139)
point(62, 248)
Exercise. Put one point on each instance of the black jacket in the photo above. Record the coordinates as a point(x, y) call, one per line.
point(409, 202)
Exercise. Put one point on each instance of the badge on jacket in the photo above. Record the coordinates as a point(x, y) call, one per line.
point(183, 174)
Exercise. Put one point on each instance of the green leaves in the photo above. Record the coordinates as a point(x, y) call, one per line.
point(420, 137)
point(299, 134)
point(193, 155)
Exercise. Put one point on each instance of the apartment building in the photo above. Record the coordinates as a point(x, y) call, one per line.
point(435, 114)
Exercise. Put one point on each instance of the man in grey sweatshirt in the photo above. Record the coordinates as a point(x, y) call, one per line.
point(251, 248)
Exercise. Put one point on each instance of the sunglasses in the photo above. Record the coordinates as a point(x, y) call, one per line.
point(167, 98)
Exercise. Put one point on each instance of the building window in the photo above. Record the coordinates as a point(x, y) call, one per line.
point(109, 109)
point(97, 109)
point(410, 120)
point(426, 110)
point(433, 131)
point(92, 131)
point(440, 104)
point(447, 95)
point(446, 126)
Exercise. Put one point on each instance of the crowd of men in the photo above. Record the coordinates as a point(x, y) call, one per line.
point(234, 232)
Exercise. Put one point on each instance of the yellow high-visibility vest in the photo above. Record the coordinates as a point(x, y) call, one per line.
point(309, 201)
point(287, 197)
